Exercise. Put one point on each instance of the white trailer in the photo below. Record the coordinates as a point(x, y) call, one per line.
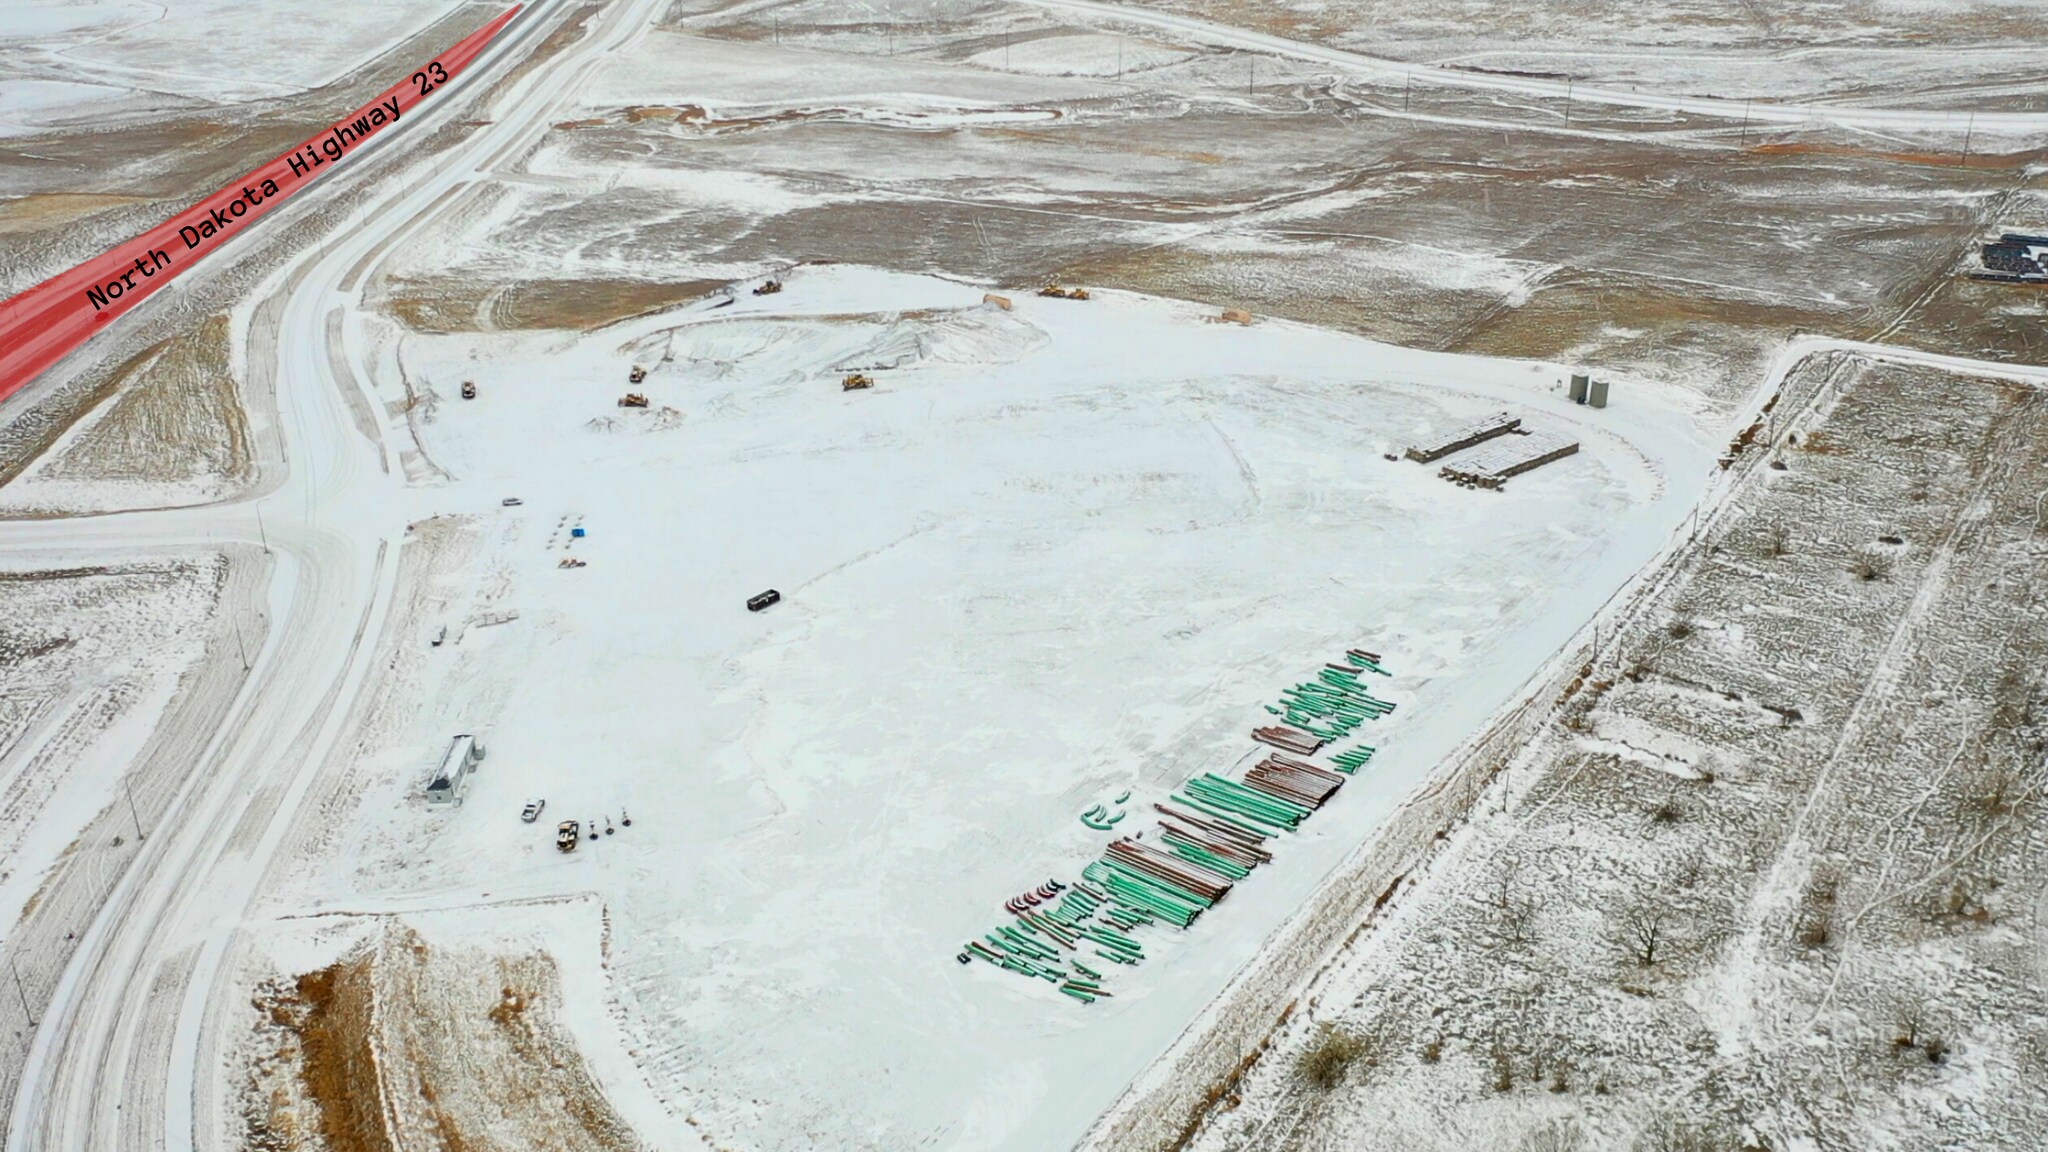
point(446, 781)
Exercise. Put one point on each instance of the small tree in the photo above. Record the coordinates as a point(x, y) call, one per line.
point(1643, 933)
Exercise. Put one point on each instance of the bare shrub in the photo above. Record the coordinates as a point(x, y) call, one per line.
point(1330, 1056)
point(1914, 1034)
point(1514, 910)
point(1643, 931)
point(1964, 900)
point(1868, 565)
point(1555, 1136)
point(1433, 1049)
point(1777, 541)
point(1503, 1064)
point(1670, 1134)
point(1816, 923)
point(1667, 811)
point(1681, 627)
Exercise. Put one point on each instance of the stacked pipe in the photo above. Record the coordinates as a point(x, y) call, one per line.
point(1178, 871)
point(1288, 740)
point(1352, 760)
point(1366, 661)
point(1211, 791)
point(1221, 831)
point(1330, 706)
point(1168, 902)
point(1293, 780)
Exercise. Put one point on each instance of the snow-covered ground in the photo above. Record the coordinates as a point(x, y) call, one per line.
point(79, 55)
point(1058, 552)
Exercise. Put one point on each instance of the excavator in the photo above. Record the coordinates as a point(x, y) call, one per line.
point(636, 375)
point(769, 288)
point(1059, 293)
point(856, 380)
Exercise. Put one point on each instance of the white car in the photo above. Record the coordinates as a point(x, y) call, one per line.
point(531, 812)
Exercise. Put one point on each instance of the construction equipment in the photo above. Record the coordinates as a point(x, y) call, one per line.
point(469, 389)
point(633, 400)
point(855, 380)
point(768, 288)
point(567, 833)
point(636, 375)
point(1059, 293)
point(762, 600)
point(572, 562)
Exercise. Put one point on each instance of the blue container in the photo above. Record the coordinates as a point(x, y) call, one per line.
point(576, 532)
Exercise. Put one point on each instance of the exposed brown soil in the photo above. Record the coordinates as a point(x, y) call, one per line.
point(331, 1014)
point(402, 1046)
point(451, 304)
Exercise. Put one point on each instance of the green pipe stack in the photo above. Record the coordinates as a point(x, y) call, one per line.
point(1114, 898)
point(1352, 761)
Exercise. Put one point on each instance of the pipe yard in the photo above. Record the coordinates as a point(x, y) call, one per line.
point(1210, 835)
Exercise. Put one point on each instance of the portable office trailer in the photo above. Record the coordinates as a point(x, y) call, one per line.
point(1578, 388)
point(1596, 393)
point(446, 781)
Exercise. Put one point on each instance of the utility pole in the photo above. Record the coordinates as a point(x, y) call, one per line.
point(130, 793)
point(1119, 57)
point(1407, 84)
point(1567, 99)
point(260, 531)
point(1251, 76)
point(240, 647)
point(1967, 133)
point(1745, 120)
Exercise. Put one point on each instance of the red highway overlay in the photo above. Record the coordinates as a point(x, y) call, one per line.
point(40, 325)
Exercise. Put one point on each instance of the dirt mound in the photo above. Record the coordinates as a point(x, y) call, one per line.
point(398, 1045)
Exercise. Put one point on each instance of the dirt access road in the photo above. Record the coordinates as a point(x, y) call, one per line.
point(99, 1073)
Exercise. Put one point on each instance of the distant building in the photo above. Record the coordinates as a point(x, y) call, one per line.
point(445, 783)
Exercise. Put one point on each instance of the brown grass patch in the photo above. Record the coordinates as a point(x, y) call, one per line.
point(178, 416)
point(49, 210)
point(1924, 159)
point(448, 304)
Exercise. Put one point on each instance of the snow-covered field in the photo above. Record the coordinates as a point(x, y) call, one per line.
point(1057, 553)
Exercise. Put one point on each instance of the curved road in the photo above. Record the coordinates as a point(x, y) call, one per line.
point(335, 524)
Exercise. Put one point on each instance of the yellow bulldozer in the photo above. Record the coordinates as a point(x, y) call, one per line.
point(633, 400)
point(768, 288)
point(1059, 293)
point(856, 380)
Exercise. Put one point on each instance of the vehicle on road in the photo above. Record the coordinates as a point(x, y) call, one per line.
point(762, 600)
point(566, 835)
point(469, 389)
point(511, 501)
point(531, 812)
